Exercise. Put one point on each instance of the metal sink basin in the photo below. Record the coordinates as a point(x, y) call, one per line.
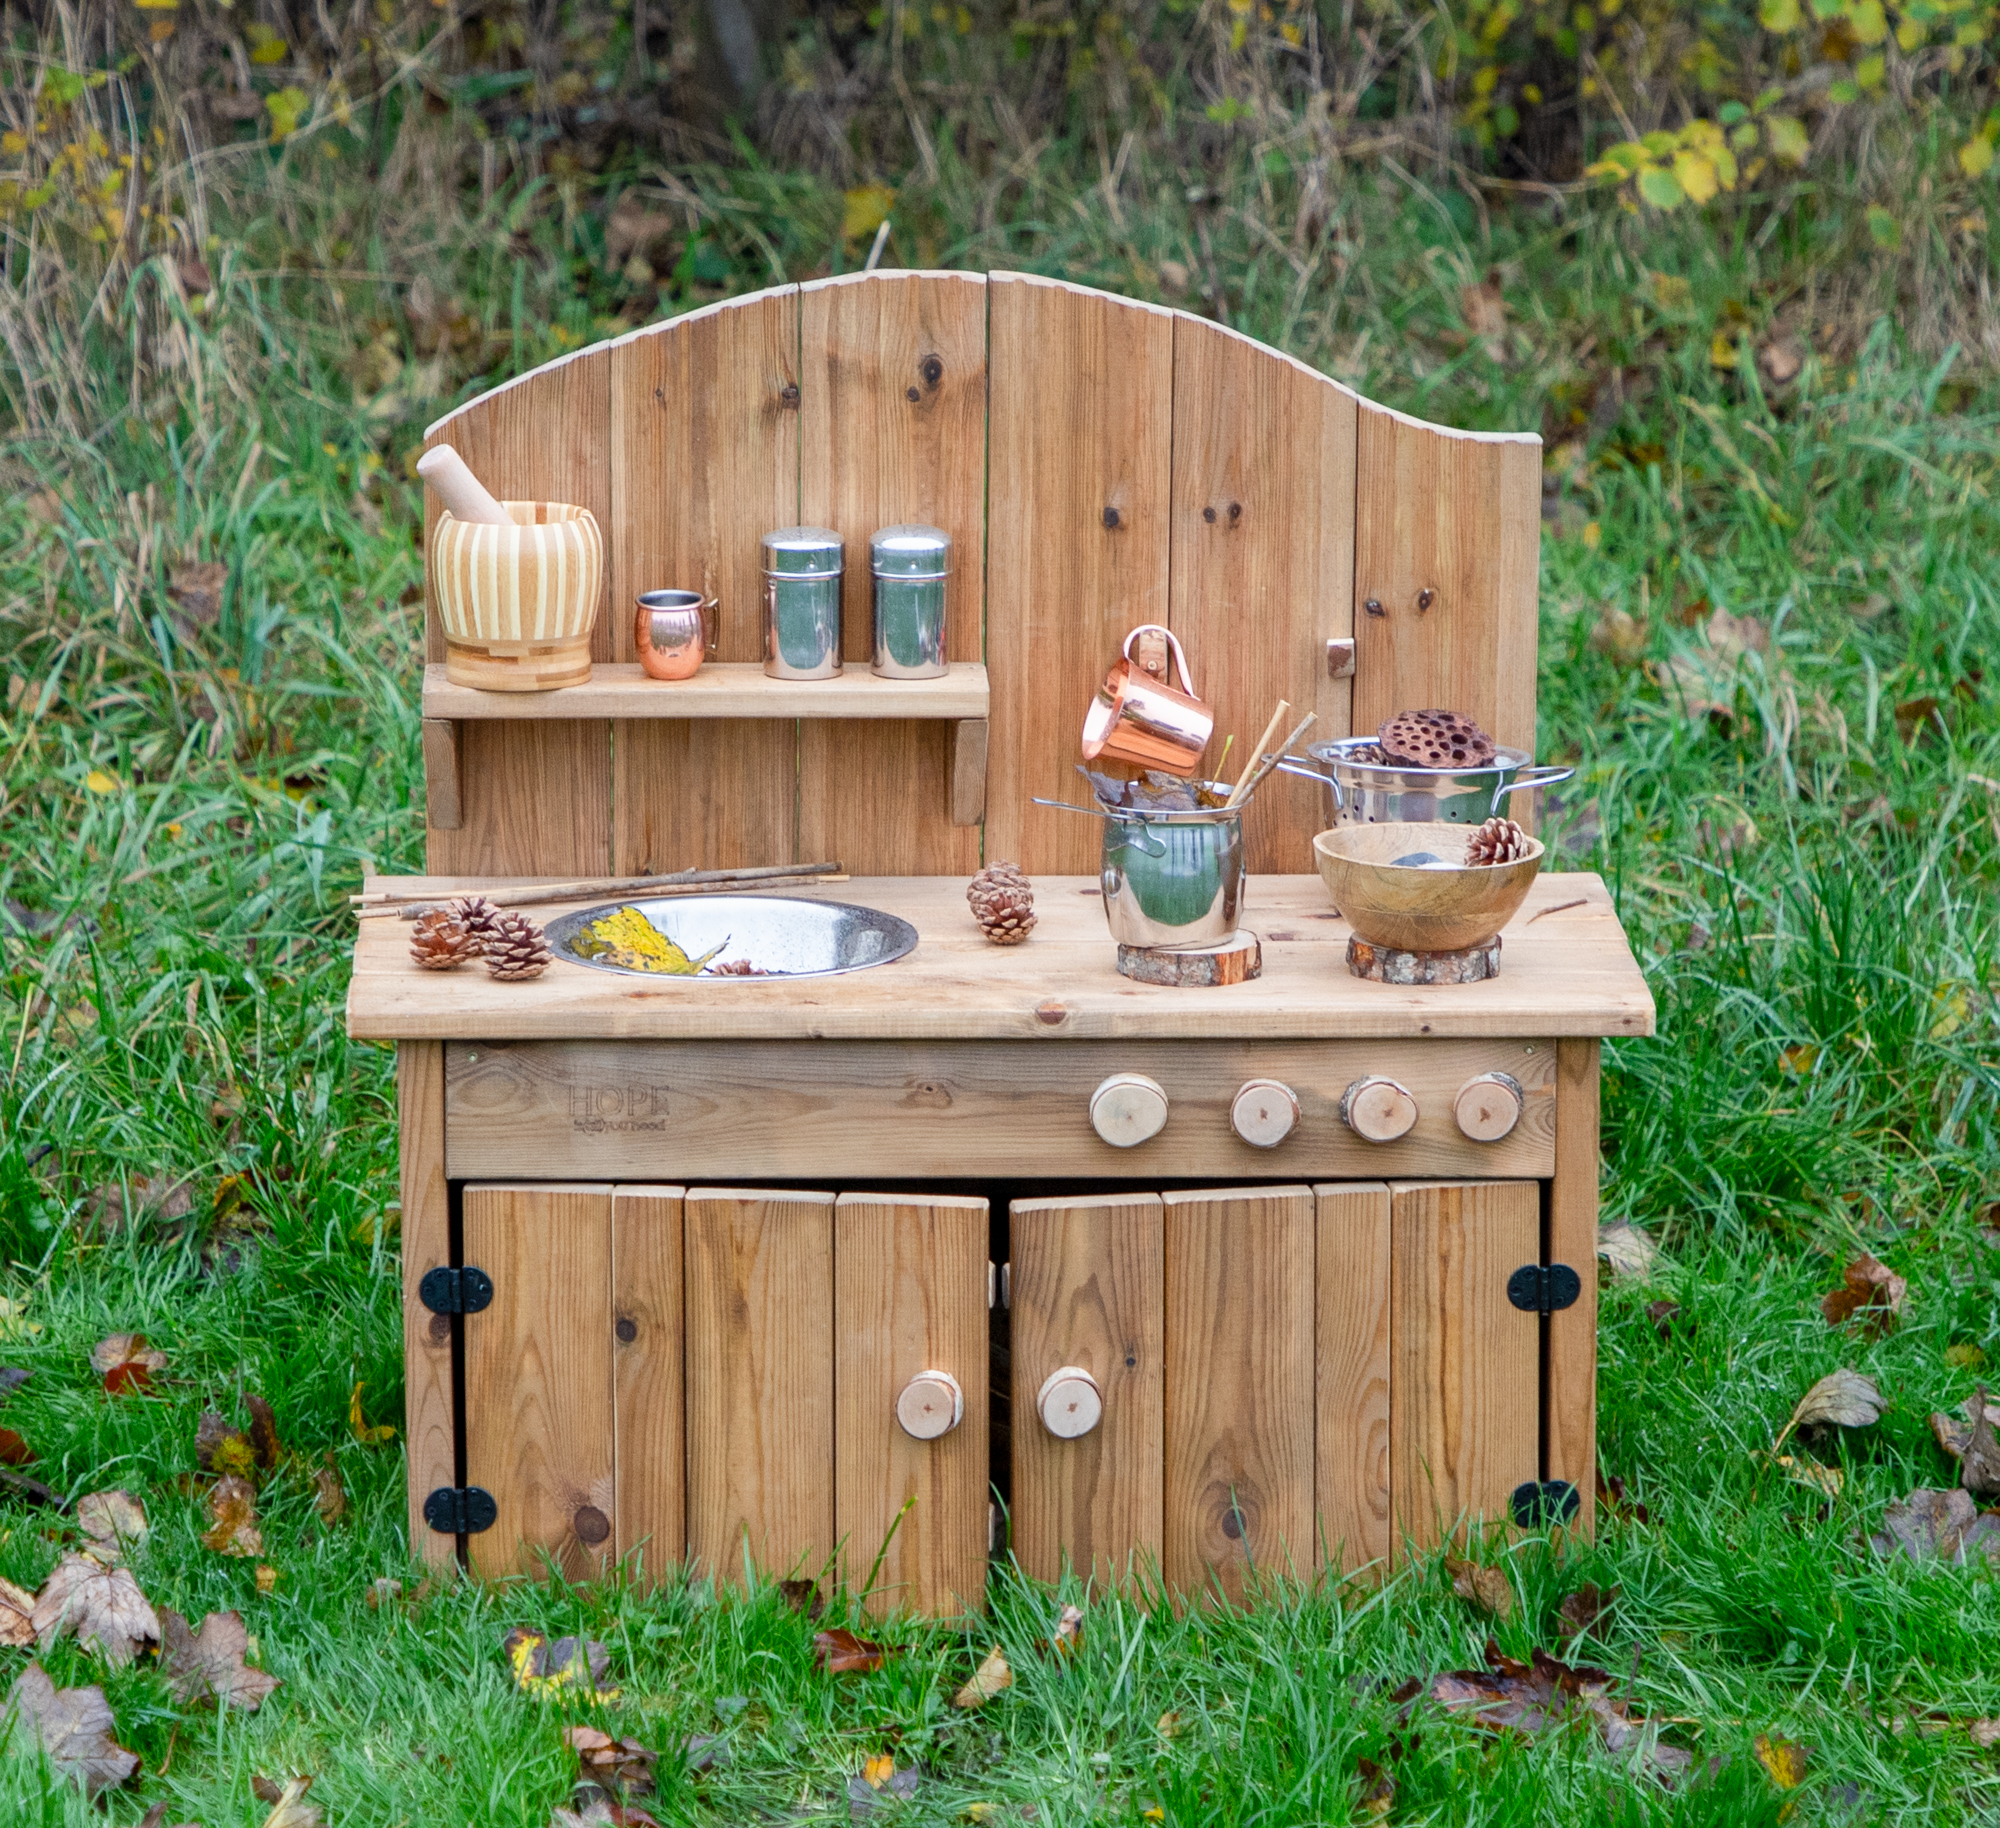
point(775, 935)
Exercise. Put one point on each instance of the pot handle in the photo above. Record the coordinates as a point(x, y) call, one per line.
point(1173, 647)
point(1288, 765)
point(1546, 776)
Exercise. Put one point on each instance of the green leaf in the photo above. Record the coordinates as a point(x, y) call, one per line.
point(1975, 157)
point(1659, 143)
point(1696, 174)
point(1883, 228)
point(1744, 137)
point(1779, 15)
point(1660, 187)
point(286, 107)
point(1867, 21)
point(1789, 140)
point(1731, 112)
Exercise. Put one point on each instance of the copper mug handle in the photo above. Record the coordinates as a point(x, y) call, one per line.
point(1173, 648)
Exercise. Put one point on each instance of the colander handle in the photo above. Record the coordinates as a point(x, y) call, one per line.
point(1291, 766)
point(1529, 777)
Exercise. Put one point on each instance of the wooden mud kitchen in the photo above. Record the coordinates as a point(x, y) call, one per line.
point(1238, 1238)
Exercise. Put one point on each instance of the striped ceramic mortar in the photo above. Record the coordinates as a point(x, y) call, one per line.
point(536, 581)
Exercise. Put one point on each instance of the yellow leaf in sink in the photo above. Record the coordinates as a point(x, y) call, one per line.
point(629, 940)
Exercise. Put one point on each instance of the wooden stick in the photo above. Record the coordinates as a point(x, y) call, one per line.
point(606, 885)
point(1243, 780)
point(649, 889)
point(1266, 762)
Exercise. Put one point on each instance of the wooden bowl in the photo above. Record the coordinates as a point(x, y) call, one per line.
point(1420, 910)
point(517, 603)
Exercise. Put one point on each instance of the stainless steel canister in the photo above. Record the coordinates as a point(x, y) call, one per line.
point(910, 564)
point(802, 567)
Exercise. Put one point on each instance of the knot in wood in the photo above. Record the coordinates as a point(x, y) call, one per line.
point(1111, 517)
point(932, 370)
point(591, 1525)
point(1425, 598)
point(789, 394)
point(1051, 1014)
point(1208, 514)
point(912, 395)
point(627, 1329)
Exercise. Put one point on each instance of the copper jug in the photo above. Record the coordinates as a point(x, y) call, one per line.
point(1138, 719)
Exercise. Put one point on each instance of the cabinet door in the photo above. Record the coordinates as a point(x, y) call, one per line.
point(1087, 1293)
point(1239, 1395)
point(650, 1448)
point(760, 1321)
point(909, 1508)
point(1465, 1386)
point(1351, 1439)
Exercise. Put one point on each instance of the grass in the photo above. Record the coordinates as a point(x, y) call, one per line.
point(1807, 871)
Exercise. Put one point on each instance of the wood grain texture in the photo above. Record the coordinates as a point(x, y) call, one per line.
point(1239, 1393)
point(720, 690)
point(1079, 436)
point(647, 1380)
point(1351, 1438)
point(1087, 1289)
point(1458, 514)
point(444, 808)
point(539, 1419)
point(949, 1109)
point(760, 1324)
point(892, 427)
point(1263, 555)
point(1570, 1423)
point(1464, 1392)
point(910, 1295)
point(1569, 971)
point(429, 1399)
point(969, 739)
point(535, 800)
point(705, 450)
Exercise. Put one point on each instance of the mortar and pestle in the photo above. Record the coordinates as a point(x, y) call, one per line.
point(517, 583)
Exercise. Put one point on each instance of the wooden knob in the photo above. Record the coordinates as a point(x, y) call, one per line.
point(1069, 1402)
point(1266, 1111)
point(1488, 1107)
point(1378, 1109)
point(931, 1404)
point(1127, 1109)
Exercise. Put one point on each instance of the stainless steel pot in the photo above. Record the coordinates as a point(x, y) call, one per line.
point(1173, 878)
point(1387, 793)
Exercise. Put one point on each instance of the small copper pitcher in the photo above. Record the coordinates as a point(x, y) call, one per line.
point(1136, 718)
point(672, 632)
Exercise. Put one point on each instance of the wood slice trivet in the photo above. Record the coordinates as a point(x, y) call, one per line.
point(1194, 968)
point(1389, 965)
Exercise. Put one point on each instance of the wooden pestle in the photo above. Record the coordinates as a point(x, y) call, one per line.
point(460, 491)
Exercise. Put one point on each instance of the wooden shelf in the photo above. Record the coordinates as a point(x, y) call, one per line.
point(622, 690)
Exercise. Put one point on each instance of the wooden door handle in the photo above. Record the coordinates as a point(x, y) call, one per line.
point(1378, 1109)
point(1488, 1107)
point(931, 1404)
point(1128, 1109)
point(1069, 1402)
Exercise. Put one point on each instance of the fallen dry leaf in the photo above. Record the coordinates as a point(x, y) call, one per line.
point(208, 1665)
point(1582, 1610)
point(878, 1779)
point(622, 1766)
point(1973, 1444)
point(1870, 1289)
point(368, 1435)
point(1785, 1759)
point(156, 1817)
point(12, 1377)
point(13, 1450)
point(988, 1680)
point(1069, 1629)
point(290, 1810)
point(579, 1665)
point(803, 1596)
point(1985, 1733)
point(232, 1516)
point(1486, 1589)
point(1618, 635)
point(102, 1606)
point(1170, 1725)
point(1829, 1481)
point(196, 591)
point(1932, 1525)
point(599, 1813)
point(264, 1442)
point(382, 1591)
point(1378, 1787)
point(1667, 1320)
point(1781, 361)
point(17, 1616)
point(1841, 1399)
point(1629, 1251)
point(1612, 1497)
point(329, 1495)
point(840, 1653)
point(74, 1728)
point(126, 1363)
point(114, 1521)
point(267, 1578)
point(220, 1449)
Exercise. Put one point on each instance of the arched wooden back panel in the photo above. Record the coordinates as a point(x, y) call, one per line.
point(1098, 462)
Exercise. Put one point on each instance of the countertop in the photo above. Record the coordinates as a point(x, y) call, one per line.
point(1566, 970)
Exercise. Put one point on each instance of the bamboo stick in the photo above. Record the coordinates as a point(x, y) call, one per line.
point(522, 893)
point(1250, 767)
point(1246, 787)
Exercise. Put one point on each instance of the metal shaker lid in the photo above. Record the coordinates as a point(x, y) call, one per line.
point(911, 551)
point(803, 552)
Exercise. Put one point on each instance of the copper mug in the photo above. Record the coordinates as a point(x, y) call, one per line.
point(1138, 719)
point(673, 632)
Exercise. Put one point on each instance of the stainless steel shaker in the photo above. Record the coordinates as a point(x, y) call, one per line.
point(910, 564)
point(802, 567)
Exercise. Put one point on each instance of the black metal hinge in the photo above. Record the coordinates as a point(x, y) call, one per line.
point(460, 1510)
point(1550, 1501)
point(1542, 1288)
point(455, 1291)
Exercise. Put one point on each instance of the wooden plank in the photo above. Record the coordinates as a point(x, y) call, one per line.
point(1239, 1393)
point(1457, 514)
point(535, 799)
point(969, 740)
point(909, 1296)
point(429, 1400)
point(1465, 1378)
point(444, 806)
point(760, 1320)
point(1087, 1289)
point(720, 689)
point(1079, 436)
point(539, 1421)
point(647, 1379)
point(1570, 1426)
point(705, 452)
point(1566, 970)
point(1351, 1436)
point(1263, 555)
point(892, 427)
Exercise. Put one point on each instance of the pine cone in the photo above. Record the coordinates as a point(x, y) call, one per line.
point(1003, 902)
point(1435, 739)
point(1497, 841)
point(477, 916)
point(515, 948)
point(439, 941)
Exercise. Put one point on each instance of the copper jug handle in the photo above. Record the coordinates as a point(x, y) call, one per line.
point(1173, 647)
